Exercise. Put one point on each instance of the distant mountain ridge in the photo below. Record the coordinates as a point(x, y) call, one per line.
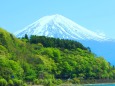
point(58, 26)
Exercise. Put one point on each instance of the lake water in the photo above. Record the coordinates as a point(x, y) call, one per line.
point(99, 85)
point(89, 85)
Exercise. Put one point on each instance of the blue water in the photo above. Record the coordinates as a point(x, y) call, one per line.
point(99, 85)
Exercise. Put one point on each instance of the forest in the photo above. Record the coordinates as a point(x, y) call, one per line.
point(47, 61)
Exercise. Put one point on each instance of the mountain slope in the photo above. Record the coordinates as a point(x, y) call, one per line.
point(58, 26)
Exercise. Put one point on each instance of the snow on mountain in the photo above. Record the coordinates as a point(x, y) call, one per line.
point(58, 26)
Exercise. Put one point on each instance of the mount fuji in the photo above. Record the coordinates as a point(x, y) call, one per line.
point(58, 26)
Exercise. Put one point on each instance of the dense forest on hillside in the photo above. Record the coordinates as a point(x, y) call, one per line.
point(55, 42)
point(48, 61)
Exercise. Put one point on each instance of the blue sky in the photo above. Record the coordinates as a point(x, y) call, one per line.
point(95, 15)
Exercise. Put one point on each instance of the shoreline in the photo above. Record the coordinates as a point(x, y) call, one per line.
point(93, 82)
point(97, 84)
point(103, 84)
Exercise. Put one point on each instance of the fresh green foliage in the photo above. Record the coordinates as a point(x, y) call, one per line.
point(10, 83)
point(3, 82)
point(48, 61)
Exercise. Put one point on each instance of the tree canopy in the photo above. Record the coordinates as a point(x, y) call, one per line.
point(44, 60)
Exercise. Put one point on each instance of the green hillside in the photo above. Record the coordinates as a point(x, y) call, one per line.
point(48, 61)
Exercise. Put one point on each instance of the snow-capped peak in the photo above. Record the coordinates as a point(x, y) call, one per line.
point(58, 26)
